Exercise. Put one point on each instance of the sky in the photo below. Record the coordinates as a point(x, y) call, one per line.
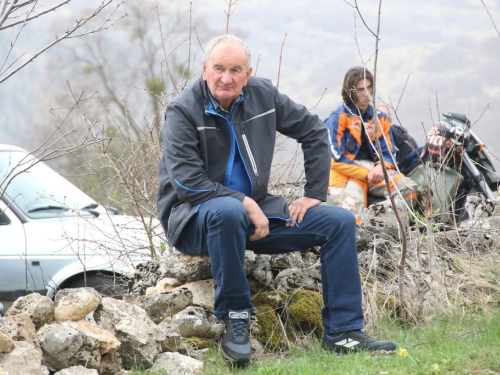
point(433, 57)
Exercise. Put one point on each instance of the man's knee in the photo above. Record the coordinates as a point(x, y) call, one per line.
point(227, 209)
point(409, 190)
point(340, 216)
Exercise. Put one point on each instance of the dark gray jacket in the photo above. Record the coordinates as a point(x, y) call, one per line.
point(197, 146)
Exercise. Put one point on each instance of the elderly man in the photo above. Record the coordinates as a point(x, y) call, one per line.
point(218, 143)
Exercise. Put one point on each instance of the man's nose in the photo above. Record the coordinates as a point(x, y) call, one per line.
point(226, 78)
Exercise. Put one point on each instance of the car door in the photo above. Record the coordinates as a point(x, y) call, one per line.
point(12, 255)
point(57, 247)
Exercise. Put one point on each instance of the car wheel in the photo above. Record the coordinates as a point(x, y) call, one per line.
point(108, 285)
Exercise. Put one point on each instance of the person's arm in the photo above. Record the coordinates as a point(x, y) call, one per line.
point(387, 142)
point(336, 126)
point(257, 218)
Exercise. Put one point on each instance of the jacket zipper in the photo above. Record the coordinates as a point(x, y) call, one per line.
point(250, 155)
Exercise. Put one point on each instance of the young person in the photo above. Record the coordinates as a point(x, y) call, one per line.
point(356, 168)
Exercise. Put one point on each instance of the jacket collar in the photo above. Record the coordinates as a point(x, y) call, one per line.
point(352, 110)
point(207, 95)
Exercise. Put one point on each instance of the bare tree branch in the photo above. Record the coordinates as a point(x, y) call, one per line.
point(491, 18)
point(4, 11)
point(279, 66)
point(355, 6)
point(67, 35)
point(29, 18)
point(320, 98)
point(229, 12)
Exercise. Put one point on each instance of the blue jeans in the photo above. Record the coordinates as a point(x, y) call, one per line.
point(221, 229)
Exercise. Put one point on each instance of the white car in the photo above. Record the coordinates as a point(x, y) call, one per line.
point(53, 236)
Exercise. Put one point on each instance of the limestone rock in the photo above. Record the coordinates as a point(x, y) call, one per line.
point(7, 345)
point(178, 364)
point(257, 349)
point(20, 328)
point(203, 293)
point(379, 219)
point(287, 260)
point(261, 277)
point(133, 299)
point(160, 306)
point(77, 370)
point(107, 342)
point(111, 364)
point(195, 321)
point(39, 308)
point(294, 278)
point(310, 257)
point(165, 285)
point(140, 337)
point(75, 303)
point(249, 265)
point(185, 268)
point(146, 276)
point(172, 340)
point(23, 360)
point(64, 346)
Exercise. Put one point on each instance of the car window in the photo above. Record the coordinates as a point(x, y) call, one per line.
point(36, 189)
point(4, 220)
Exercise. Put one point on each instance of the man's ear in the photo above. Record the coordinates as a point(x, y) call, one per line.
point(204, 70)
point(248, 74)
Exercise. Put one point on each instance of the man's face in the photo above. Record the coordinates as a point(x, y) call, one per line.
point(226, 72)
point(363, 94)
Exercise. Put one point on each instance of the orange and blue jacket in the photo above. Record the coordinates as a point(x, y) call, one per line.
point(344, 125)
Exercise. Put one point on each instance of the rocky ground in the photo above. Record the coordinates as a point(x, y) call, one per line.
point(165, 321)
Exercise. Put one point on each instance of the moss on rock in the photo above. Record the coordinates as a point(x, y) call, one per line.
point(305, 311)
point(270, 327)
point(303, 314)
point(196, 343)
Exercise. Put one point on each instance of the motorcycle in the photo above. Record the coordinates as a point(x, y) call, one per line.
point(455, 164)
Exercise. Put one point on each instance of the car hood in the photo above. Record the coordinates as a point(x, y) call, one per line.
point(116, 236)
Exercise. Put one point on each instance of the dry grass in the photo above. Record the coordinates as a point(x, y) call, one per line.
point(463, 274)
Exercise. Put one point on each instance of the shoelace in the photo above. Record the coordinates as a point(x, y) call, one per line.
point(363, 334)
point(239, 328)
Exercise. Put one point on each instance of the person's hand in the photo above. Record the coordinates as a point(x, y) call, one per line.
point(257, 218)
point(299, 207)
point(376, 174)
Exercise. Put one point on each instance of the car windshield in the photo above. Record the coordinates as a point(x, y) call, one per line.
point(37, 190)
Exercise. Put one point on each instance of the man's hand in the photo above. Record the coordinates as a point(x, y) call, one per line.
point(299, 207)
point(257, 218)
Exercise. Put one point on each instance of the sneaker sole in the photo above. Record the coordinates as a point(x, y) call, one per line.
point(343, 350)
point(239, 360)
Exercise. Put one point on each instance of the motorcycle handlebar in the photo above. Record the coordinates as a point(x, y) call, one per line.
point(478, 177)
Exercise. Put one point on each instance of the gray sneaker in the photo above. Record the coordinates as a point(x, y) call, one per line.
point(236, 344)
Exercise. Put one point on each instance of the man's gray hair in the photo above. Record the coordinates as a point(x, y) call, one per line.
point(211, 44)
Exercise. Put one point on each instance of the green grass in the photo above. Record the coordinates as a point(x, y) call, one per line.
point(468, 343)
